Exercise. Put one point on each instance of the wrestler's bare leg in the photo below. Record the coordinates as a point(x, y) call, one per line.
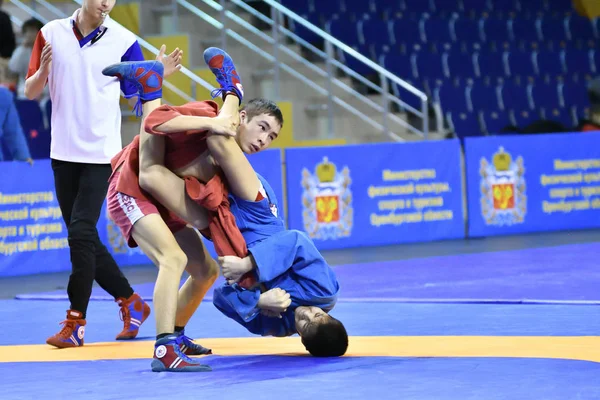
point(151, 232)
point(203, 271)
point(157, 241)
point(231, 106)
point(173, 254)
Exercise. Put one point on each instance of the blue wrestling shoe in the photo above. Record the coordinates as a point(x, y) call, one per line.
point(189, 348)
point(146, 76)
point(221, 64)
point(168, 357)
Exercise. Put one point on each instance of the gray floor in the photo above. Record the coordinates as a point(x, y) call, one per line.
point(9, 287)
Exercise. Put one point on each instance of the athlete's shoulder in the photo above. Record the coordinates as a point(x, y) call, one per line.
point(55, 24)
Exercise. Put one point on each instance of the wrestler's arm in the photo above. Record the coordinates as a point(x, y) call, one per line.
point(275, 256)
point(244, 306)
point(184, 123)
point(167, 120)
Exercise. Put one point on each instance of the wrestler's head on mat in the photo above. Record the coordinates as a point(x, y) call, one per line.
point(260, 123)
point(322, 335)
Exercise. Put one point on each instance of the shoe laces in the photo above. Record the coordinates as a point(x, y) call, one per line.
point(138, 108)
point(187, 340)
point(125, 314)
point(220, 91)
point(180, 353)
point(224, 72)
point(67, 329)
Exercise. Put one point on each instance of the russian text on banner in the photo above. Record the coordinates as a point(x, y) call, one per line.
point(33, 237)
point(530, 183)
point(376, 194)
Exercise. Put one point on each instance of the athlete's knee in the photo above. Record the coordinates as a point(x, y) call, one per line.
point(203, 271)
point(212, 271)
point(173, 260)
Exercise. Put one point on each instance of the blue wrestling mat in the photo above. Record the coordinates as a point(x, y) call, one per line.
point(539, 275)
point(399, 349)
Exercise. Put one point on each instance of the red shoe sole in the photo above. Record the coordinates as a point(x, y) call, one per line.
point(59, 344)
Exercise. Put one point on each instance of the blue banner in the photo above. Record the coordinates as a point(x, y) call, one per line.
point(33, 236)
point(531, 183)
point(377, 194)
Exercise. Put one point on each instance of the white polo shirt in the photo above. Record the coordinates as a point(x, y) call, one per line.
point(86, 115)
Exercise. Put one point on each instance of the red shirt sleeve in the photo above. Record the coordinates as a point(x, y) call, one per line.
point(36, 55)
point(158, 117)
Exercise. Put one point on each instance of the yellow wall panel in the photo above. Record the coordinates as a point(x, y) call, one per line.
point(286, 136)
point(587, 8)
point(128, 15)
point(180, 81)
point(208, 76)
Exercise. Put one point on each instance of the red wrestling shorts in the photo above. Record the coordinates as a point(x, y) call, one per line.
point(125, 211)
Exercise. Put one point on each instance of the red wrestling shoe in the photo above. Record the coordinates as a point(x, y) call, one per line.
point(168, 357)
point(134, 311)
point(71, 335)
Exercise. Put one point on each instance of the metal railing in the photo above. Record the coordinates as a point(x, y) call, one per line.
point(16, 21)
point(279, 32)
point(29, 10)
point(60, 14)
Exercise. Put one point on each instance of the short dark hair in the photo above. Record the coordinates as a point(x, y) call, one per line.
point(32, 24)
point(256, 107)
point(327, 339)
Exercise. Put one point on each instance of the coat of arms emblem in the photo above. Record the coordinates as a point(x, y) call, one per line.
point(327, 201)
point(503, 197)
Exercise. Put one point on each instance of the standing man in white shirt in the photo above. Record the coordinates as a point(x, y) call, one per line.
point(69, 55)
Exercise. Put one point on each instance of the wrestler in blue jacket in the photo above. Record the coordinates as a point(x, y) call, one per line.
point(296, 287)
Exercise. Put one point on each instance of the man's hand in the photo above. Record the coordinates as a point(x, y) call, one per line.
point(233, 268)
point(225, 125)
point(275, 300)
point(171, 63)
point(46, 59)
point(29, 161)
